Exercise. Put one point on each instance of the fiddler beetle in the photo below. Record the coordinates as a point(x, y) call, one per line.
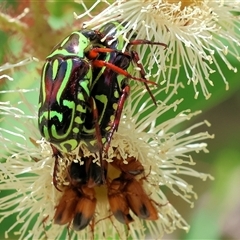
point(84, 86)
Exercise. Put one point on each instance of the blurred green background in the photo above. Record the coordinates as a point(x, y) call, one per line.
point(216, 214)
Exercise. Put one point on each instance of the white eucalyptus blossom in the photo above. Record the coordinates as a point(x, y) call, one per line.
point(27, 165)
point(197, 32)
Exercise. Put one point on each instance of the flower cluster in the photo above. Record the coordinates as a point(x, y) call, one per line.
point(194, 31)
point(199, 35)
point(164, 154)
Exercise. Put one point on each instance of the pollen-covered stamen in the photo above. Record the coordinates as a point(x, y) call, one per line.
point(126, 192)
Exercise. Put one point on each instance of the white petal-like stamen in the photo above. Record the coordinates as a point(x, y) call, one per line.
point(7, 66)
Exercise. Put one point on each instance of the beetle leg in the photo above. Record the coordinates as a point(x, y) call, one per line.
point(99, 137)
point(56, 154)
point(136, 59)
point(68, 229)
point(95, 119)
point(101, 63)
point(142, 72)
point(144, 41)
point(92, 225)
point(118, 114)
point(93, 54)
point(44, 226)
point(112, 223)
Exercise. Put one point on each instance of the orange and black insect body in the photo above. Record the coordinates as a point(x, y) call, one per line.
point(118, 202)
point(65, 210)
point(77, 206)
point(85, 209)
point(138, 201)
point(78, 202)
point(126, 193)
point(132, 191)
